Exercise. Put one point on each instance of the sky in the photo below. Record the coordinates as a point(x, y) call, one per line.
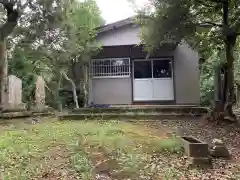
point(115, 10)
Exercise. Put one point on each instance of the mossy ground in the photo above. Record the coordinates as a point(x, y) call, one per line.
point(83, 150)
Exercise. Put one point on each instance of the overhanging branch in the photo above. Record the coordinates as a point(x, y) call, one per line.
point(12, 18)
point(216, 1)
point(207, 24)
point(212, 23)
point(204, 3)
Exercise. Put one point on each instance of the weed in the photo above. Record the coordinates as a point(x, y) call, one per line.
point(23, 151)
point(171, 174)
point(82, 165)
point(169, 145)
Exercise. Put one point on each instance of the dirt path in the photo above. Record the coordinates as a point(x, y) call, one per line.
point(56, 165)
point(229, 134)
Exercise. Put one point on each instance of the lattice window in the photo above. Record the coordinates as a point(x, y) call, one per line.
point(116, 67)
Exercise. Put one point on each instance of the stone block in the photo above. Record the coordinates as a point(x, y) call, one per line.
point(220, 151)
point(42, 109)
point(13, 98)
point(194, 147)
point(9, 107)
point(217, 142)
point(40, 93)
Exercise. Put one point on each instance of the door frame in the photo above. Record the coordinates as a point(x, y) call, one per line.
point(143, 79)
point(161, 102)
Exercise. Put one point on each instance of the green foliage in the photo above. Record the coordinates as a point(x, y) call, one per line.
point(57, 34)
point(237, 65)
point(207, 72)
point(158, 28)
point(80, 33)
point(207, 75)
point(206, 89)
point(208, 26)
point(67, 99)
point(170, 21)
point(24, 65)
point(82, 165)
point(23, 69)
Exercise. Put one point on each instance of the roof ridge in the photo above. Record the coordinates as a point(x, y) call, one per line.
point(116, 24)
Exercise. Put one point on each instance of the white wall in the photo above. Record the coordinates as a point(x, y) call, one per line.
point(127, 35)
point(187, 78)
point(186, 70)
point(112, 91)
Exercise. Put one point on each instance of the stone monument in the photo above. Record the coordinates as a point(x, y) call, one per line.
point(13, 97)
point(40, 93)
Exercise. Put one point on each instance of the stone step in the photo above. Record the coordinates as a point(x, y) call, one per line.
point(169, 109)
point(25, 114)
point(128, 116)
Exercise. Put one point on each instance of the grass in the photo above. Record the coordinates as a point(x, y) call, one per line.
point(81, 149)
point(169, 145)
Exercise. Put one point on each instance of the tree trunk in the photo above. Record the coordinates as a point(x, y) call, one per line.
point(230, 44)
point(5, 30)
point(5, 80)
point(3, 73)
point(238, 96)
point(73, 64)
point(223, 108)
point(59, 101)
point(75, 97)
point(86, 85)
point(224, 85)
point(217, 85)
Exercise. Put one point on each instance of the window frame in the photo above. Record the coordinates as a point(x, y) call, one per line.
point(156, 59)
point(162, 59)
point(110, 76)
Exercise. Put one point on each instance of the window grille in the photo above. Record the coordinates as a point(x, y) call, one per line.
point(116, 67)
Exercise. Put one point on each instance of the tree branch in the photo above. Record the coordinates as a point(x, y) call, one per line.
point(208, 25)
point(75, 98)
point(12, 18)
point(212, 23)
point(216, 1)
point(204, 3)
point(238, 34)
